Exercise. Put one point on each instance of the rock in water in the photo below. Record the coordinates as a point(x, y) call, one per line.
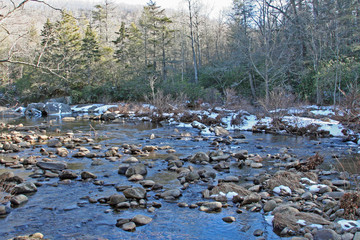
point(137, 169)
point(67, 174)
point(19, 199)
point(87, 175)
point(141, 220)
point(26, 187)
point(116, 199)
point(58, 166)
point(130, 227)
point(136, 192)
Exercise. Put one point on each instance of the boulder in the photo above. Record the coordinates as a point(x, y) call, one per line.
point(35, 109)
point(288, 217)
point(137, 169)
point(136, 192)
point(57, 166)
point(141, 220)
point(26, 187)
point(56, 108)
point(116, 199)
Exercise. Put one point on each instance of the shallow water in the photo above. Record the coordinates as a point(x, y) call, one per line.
point(60, 211)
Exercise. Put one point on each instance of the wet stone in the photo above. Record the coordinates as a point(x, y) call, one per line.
point(130, 227)
point(141, 220)
point(229, 219)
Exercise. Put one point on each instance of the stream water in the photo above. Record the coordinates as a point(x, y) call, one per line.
point(60, 211)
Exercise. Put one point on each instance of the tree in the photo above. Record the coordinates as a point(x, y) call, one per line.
point(62, 46)
point(192, 38)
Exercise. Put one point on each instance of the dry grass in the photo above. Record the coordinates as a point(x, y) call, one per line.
point(311, 163)
point(350, 203)
point(290, 179)
point(6, 191)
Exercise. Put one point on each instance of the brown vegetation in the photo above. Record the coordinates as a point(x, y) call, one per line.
point(311, 163)
point(350, 203)
point(290, 179)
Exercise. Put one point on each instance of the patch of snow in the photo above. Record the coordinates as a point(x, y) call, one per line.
point(301, 222)
point(316, 188)
point(282, 190)
point(103, 109)
point(318, 226)
point(348, 224)
point(307, 180)
point(230, 195)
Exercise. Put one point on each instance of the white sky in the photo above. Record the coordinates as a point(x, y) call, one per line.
point(215, 5)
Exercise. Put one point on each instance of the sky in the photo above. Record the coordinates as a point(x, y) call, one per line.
point(215, 5)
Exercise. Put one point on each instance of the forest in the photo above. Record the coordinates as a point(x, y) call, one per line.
point(258, 51)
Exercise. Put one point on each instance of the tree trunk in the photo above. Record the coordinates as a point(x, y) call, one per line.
point(192, 44)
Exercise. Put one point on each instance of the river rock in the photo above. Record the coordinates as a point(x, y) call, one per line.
point(252, 198)
point(287, 217)
point(137, 169)
point(116, 199)
point(219, 158)
point(62, 152)
point(136, 192)
point(57, 166)
point(220, 131)
point(11, 147)
point(256, 165)
point(52, 108)
point(122, 221)
point(6, 175)
point(222, 165)
point(241, 155)
point(26, 187)
point(270, 205)
point(136, 177)
point(54, 143)
point(130, 227)
point(199, 157)
point(19, 199)
point(147, 183)
point(211, 206)
point(4, 210)
point(231, 179)
point(192, 176)
point(326, 234)
point(108, 116)
point(86, 175)
point(229, 219)
point(341, 183)
point(123, 168)
point(67, 174)
point(141, 220)
point(171, 194)
point(35, 109)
